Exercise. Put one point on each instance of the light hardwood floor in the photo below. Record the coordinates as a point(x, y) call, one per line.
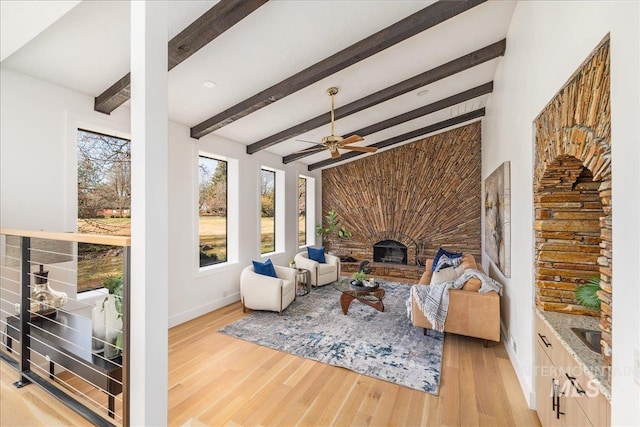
point(217, 380)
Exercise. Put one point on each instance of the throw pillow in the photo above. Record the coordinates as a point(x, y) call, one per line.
point(317, 254)
point(446, 274)
point(472, 285)
point(265, 268)
point(444, 259)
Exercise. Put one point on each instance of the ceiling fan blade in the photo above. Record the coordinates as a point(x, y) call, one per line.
point(362, 149)
point(351, 140)
point(335, 154)
point(315, 149)
point(308, 142)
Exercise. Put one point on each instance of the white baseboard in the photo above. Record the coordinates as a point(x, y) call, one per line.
point(198, 311)
point(525, 385)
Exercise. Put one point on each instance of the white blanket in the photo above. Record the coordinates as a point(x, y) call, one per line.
point(433, 300)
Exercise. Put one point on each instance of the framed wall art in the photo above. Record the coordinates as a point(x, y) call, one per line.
point(497, 213)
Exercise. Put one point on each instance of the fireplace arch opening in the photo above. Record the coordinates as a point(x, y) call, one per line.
point(390, 251)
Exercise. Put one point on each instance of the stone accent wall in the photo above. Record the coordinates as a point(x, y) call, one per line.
point(572, 193)
point(425, 194)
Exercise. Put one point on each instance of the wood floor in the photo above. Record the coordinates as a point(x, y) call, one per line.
point(217, 380)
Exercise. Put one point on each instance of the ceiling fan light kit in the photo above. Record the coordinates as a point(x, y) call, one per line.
point(334, 142)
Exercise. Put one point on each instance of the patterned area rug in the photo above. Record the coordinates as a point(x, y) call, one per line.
point(383, 345)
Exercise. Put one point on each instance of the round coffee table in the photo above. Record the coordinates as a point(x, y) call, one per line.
point(369, 295)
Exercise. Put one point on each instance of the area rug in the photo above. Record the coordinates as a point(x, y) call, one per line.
point(383, 345)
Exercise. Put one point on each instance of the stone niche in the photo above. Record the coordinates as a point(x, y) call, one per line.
point(422, 195)
point(572, 193)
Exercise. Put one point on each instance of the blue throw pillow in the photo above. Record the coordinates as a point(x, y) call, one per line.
point(317, 254)
point(265, 268)
point(445, 259)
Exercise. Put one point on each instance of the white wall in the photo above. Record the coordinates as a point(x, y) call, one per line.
point(34, 153)
point(546, 43)
point(193, 293)
point(38, 188)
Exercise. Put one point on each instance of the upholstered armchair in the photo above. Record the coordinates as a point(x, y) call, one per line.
point(321, 273)
point(260, 292)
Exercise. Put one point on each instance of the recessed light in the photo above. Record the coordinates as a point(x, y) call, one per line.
point(423, 92)
point(209, 84)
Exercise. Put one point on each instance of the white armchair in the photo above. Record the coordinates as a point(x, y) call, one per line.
point(321, 274)
point(260, 292)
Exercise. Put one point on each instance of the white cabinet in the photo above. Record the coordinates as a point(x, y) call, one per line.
point(564, 395)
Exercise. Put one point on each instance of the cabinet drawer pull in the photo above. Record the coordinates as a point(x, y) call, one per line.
point(544, 340)
point(575, 384)
point(555, 399)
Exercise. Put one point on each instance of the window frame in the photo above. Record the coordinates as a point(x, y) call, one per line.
point(232, 221)
point(79, 128)
point(279, 217)
point(264, 169)
point(306, 234)
point(310, 212)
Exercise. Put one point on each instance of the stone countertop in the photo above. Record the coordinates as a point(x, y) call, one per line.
point(591, 362)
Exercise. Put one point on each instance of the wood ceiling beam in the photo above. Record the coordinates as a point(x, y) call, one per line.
point(404, 137)
point(414, 24)
point(458, 65)
point(413, 114)
point(224, 15)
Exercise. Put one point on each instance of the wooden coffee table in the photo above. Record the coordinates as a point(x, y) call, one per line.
point(371, 296)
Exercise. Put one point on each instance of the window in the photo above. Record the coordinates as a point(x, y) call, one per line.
point(212, 209)
point(267, 210)
point(306, 211)
point(302, 211)
point(272, 215)
point(104, 203)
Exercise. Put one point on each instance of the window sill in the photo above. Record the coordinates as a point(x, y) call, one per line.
point(90, 297)
point(270, 254)
point(216, 268)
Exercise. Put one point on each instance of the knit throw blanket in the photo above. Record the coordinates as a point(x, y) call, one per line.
point(433, 300)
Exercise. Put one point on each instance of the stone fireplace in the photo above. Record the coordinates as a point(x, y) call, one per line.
point(422, 195)
point(572, 194)
point(390, 251)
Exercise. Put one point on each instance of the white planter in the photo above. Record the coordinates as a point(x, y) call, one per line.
point(106, 327)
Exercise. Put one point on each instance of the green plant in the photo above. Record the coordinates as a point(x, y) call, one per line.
point(359, 276)
point(586, 294)
point(114, 285)
point(330, 223)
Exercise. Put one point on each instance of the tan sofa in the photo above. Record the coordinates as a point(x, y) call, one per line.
point(470, 313)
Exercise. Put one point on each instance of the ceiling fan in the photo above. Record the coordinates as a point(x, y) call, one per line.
point(334, 142)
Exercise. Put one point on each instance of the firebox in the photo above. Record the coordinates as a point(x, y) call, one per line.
point(390, 251)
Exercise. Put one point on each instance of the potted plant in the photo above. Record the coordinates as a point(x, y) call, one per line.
point(358, 278)
point(587, 294)
point(107, 318)
point(330, 225)
point(292, 264)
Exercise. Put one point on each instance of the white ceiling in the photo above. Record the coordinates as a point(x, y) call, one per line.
point(86, 48)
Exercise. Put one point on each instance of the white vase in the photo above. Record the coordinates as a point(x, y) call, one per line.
point(113, 327)
point(97, 327)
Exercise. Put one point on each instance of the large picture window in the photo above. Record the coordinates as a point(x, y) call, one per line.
point(212, 208)
point(104, 203)
point(302, 211)
point(306, 211)
point(267, 210)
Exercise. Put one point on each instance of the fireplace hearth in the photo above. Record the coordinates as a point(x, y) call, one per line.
point(390, 251)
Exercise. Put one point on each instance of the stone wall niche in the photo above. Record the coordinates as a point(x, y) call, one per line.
point(572, 193)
